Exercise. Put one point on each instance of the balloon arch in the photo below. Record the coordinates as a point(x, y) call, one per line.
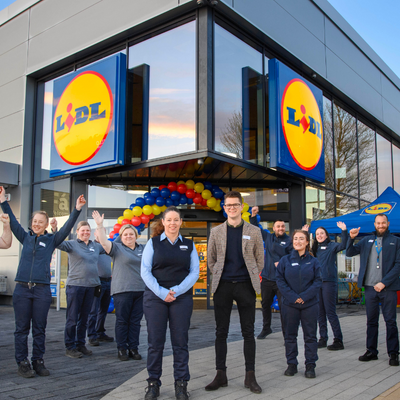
point(153, 203)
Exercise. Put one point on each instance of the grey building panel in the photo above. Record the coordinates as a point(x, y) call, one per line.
point(9, 173)
point(350, 83)
point(339, 44)
point(13, 155)
point(13, 64)
point(282, 27)
point(14, 32)
point(391, 116)
point(11, 128)
point(390, 92)
point(91, 26)
point(12, 97)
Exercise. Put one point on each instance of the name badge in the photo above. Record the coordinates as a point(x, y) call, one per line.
point(42, 244)
point(283, 242)
point(91, 249)
point(323, 248)
point(140, 255)
point(246, 237)
point(392, 244)
point(295, 264)
point(184, 248)
point(371, 241)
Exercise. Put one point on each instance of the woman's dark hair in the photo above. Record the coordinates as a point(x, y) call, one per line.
point(315, 242)
point(307, 235)
point(157, 226)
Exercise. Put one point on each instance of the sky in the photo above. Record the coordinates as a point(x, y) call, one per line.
point(5, 3)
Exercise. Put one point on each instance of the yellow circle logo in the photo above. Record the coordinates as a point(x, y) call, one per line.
point(302, 124)
point(379, 208)
point(83, 118)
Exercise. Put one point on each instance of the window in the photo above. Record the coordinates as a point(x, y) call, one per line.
point(384, 153)
point(328, 145)
point(396, 168)
point(319, 204)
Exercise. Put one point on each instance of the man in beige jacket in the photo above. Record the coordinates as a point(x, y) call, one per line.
point(235, 258)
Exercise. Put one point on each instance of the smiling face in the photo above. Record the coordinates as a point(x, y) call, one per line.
point(128, 237)
point(83, 233)
point(39, 224)
point(320, 235)
point(279, 228)
point(300, 242)
point(233, 207)
point(381, 224)
point(172, 223)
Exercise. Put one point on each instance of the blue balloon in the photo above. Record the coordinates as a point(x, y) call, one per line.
point(218, 193)
point(214, 187)
point(115, 236)
point(175, 195)
point(160, 201)
point(111, 305)
point(260, 226)
point(141, 227)
point(132, 206)
point(258, 218)
point(169, 202)
point(190, 201)
point(165, 193)
point(155, 192)
point(146, 195)
point(222, 203)
point(207, 185)
point(150, 200)
point(249, 210)
point(224, 214)
point(183, 199)
point(140, 202)
point(176, 203)
point(110, 240)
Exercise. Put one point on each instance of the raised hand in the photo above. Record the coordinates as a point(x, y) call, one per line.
point(80, 202)
point(2, 194)
point(4, 218)
point(53, 224)
point(305, 227)
point(254, 211)
point(341, 225)
point(98, 218)
point(354, 232)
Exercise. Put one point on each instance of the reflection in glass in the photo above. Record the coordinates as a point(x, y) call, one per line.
point(345, 205)
point(170, 58)
point(114, 197)
point(366, 162)
point(266, 111)
point(346, 170)
point(328, 145)
point(265, 199)
point(238, 98)
point(319, 204)
point(396, 168)
point(384, 151)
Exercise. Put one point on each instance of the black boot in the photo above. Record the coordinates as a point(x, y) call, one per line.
point(181, 390)
point(152, 390)
point(251, 383)
point(220, 380)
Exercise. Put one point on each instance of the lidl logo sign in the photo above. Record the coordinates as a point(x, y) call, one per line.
point(381, 208)
point(296, 124)
point(88, 117)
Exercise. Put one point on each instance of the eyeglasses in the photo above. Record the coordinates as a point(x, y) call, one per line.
point(235, 205)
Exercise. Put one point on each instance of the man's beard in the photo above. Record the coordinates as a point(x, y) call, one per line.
point(380, 234)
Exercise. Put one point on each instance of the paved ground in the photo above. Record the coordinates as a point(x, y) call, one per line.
point(104, 376)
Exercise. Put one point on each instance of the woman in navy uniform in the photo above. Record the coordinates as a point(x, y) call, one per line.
point(170, 268)
point(298, 276)
point(326, 251)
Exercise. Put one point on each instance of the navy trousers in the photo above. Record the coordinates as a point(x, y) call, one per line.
point(128, 314)
point(98, 313)
point(388, 300)
point(79, 304)
point(327, 310)
point(245, 297)
point(30, 305)
point(177, 314)
point(308, 317)
point(269, 289)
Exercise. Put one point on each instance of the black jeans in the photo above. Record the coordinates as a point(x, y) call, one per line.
point(245, 297)
point(98, 313)
point(269, 289)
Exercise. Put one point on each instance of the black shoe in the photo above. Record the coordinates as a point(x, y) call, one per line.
point(368, 356)
point(264, 333)
point(94, 342)
point(41, 370)
point(321, 343)
point(133, 353)
point(24, 369)
point(310, 371)
point(105, 338)
point(394, 360)
point(291, 370)
point(220, 380)
point(336, 345)
point(73, 353)
point(181, 390)
point(84, 350)
point(123, 355)
point(251, 383)
point(152, 391)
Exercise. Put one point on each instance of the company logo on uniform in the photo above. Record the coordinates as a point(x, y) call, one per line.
point(302, 124)
point(381, 208)
point(83, 118)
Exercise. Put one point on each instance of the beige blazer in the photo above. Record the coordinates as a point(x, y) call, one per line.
point(253, 253)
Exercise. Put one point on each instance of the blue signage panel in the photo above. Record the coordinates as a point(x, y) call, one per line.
point(88, 125)
point(295, 123)
point(53, 288)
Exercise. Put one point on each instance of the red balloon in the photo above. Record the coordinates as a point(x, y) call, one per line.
point(204, 202)
point(190, 193)
point(112, 233)
point(172, 186)
point(125, 221)
point(173, 167)
point(136, 221)
point(117, 227)
point(145, 218)
point(181, 164)
point(182, 188)
point(197, 199)
point(162, 187)
point(151, 216)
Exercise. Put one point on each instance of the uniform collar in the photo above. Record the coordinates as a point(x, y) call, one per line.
point(81, 241)
point(237, 226)
point(164, 236)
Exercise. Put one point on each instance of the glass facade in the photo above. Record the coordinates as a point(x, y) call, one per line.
point(384, 153)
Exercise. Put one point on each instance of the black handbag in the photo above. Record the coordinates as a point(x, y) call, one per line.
point(97, 291)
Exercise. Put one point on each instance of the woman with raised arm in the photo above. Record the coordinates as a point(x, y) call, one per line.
point(127, 286)
point(298, 276)
point(32, 295)
point(170, 268)
point(326, 251)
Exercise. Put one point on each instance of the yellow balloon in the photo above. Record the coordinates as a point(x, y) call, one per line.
point(190, 184)
point(156, 209)
point(198, 187)
point(245, 208)
point(128, 214)
point(246, 215)
point(180, 183)
point(163, 208)
point(212, 202)
point(246, 218)
point(119, 220)
point(206, 194)
point(218, 208)
point(147, 210)
point(137, 211)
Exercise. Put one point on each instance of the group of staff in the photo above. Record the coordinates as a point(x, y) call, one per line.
point(157, 279)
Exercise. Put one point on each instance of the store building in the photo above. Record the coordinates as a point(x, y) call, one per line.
point(196, 107)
